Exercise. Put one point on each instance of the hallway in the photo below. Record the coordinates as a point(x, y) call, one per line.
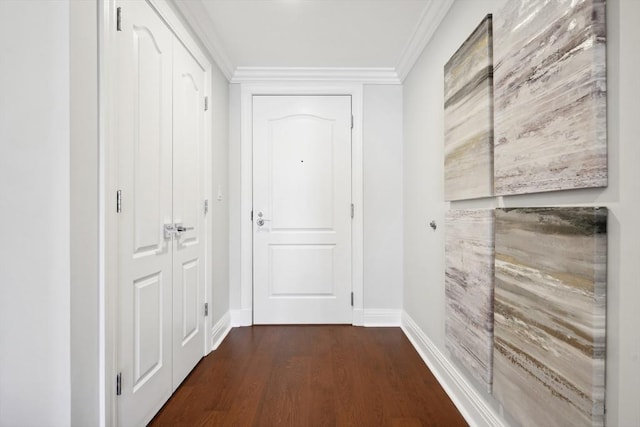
point(311, 376)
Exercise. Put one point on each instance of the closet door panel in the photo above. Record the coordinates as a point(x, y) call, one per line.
point(144, 58)
point(188, 212)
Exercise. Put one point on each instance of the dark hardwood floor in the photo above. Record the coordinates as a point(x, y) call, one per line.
point(311, 376)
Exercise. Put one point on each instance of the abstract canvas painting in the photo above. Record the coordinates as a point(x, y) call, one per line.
point(468, 117)
point(550, 96)
point(469, 290)
point(549, 314)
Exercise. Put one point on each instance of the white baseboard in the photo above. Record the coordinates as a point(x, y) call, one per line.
point(243, 317)
point(382, 318)
point(473, 407)
point(220, 330)
point(358, 317)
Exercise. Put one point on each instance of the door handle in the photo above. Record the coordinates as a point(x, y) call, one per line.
point(176, 229)
point(181, 228)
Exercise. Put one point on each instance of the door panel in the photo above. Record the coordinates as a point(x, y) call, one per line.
point(190, 312)
point(301, 174)
point(147, 354)
point(188, 246)
point(144, 178)
point(148, 145)
point(302, 199)
point(312, 277)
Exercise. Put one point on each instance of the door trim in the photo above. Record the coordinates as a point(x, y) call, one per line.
point(108, 178)
point(247, 91)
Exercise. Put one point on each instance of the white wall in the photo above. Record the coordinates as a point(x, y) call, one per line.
point(34, 207)
point(423, 193)
point(220, 208)
point(235, 297)
point(382, 157)
point(85, 367)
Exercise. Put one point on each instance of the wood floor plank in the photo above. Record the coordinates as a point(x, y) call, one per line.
point(311, 376)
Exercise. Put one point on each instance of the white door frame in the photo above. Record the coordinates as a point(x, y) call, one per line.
point(108, 174)
point(247, 91)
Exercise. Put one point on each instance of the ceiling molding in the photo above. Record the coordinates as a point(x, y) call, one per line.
point(325, 74)
point(429, 22)
point(196, 15)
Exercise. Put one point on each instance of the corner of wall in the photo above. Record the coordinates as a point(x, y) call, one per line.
point(242, 317)
point(220, 330)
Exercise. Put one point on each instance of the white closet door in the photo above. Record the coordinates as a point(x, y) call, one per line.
point(145, 260)
point(188, 213)
point(302, 209)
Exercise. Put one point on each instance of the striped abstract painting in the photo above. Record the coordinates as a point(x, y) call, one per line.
point(469, 290)
point(468, 117)
point(550, 96)
point(549, 314)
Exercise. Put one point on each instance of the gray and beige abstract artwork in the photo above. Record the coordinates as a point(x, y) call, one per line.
point(468, 119)
point(550, 96)
point(469, 290)
point(549, 315)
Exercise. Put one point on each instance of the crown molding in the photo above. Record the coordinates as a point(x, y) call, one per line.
point(428, 24)
point(196, 15)
point(315, 74)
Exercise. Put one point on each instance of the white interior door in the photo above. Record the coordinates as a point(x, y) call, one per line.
point(161, 223)
point(144, 179)
point(302, 209)
point(188, 213)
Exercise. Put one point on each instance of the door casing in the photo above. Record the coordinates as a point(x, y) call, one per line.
point(244, 316)
point(108, 178)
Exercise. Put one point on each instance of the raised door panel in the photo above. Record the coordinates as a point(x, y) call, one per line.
point(188, 137)
point(301, 171)
point(190, 293)
point(313, 275)
point(148, 356)
point(150, 149)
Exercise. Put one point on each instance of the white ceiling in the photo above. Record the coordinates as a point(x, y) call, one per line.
point(363, 34)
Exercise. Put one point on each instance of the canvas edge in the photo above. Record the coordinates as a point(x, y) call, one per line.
point(488, 20)
point(478, 214)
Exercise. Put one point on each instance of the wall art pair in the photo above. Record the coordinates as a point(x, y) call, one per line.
point(525, 308)
point(525, 102)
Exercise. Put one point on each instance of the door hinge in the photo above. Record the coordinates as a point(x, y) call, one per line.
point(119, 201)
point(119, 19)
point(352, 121)
point(353, 210)
point(251, 216)
point(351, 299)
point(119, 384)
point(206, 103)
point(206, 206)
point(206, 309)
